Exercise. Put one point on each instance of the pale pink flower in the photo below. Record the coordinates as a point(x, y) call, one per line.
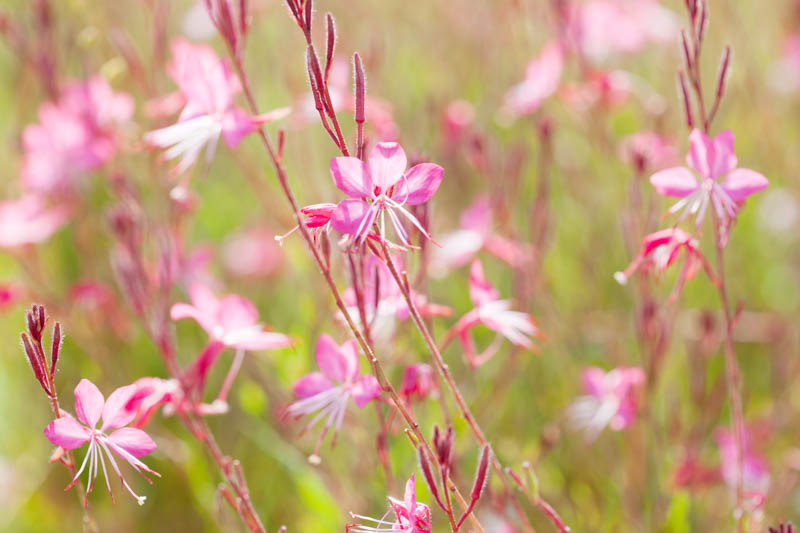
point(494, 313)
point(647, 150)
point(410, 516)
point(74, 136)
point(208, 87)
point(599, 88)
point(755, 470)
point(328, 392)
point(610, 400)
point(252, 253)
point(167, 394)
point(379, 188)
point(127, 443)
point(542, 78)
point(29, 220)
point(711, 160)
point(456, 120)
point(419, 381)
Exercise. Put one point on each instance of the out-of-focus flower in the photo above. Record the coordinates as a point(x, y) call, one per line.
point(610, 399)
point(10, 293)
point(29, 220)
point(328, 392)
point(252, 253)
point(74, 136)
point(381, 187)
point(711, 159)
point(208, 87)
point(598, 88)
point(117, 412)
point(410, 515)
point(419, 381)
point(494, 313)
point(458, 116)
point(152, 393)
point(647, 150)
point(755, 470)
point(542, 78)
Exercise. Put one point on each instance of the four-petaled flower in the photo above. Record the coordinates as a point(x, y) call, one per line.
point(128, 443)
point(610, 399)
point(410, 515)
point(711, 160)
point(327, 392)
point(381, 187)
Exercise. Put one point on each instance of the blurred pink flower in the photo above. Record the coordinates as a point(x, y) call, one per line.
point(327, 392)
point(74, 136)
point(168, 394)
point(711, 160)
point(542, 78)
point(647, 150)
point(208, 87)
point(419, 381)
point(610, 399)
point(29, 220)
point(117, 412)
point(458, 116)
point(598, 88)
point(10, 293)
point(379, 187)
point(410, 516)
point(252, 253)
point(494, 313)
point(755, 471)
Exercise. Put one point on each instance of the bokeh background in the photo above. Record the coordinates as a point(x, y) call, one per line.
point(419, 57)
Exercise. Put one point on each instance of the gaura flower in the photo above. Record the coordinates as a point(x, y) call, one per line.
point(208, 87)
point(542, 78)
point(711, 160)
point(647, 150)
point(410, 516)
point(29, 220)
point(317, 219)
point(755, 470)
point(610, 399)
point(494, 313)
point(126, 443)
point(252, 254)
point(328, 392)
point(381, 187)
point(419, 381)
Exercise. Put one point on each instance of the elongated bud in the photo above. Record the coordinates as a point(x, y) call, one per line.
point(37, 365)
point(281, 143)
point(294, 10)
point(308, 13)
point(427, 473)
point(55, 348)
point(724, 68)
point(687, 56)
point(361, 89)
point(481, 476)
point(691, 6)
point(243, 17)
point(312, 80)
point(703, 24)
point(330, 45)
point(687, 103)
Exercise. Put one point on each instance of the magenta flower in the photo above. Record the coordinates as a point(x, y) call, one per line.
point(208, 87)
point(494, 313)
point(328, 392)
point(381, 187)
point(419, 381)
point(755, 470)
point(610, 399)
point(711, 160)
point(410, 516)
point(127, 443)
point(542, 78)
point(318, 220)
point(29, 220)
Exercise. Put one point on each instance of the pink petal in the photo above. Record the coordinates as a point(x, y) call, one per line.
point(348, 215)
point(204, 299)
point(594, 381)
point(254, 339)
point(311, 385)
point(236, 125)
point(724, 159)
point(352, 176)
point(410, 496)
point(236, 312)
point(330, 359)
point(675, 181)
point(134, 441)
point(67, 433)
point(365, 390)
point(349, 352)
point(701, 152)
point(118, 411)
point(387, 162)
point(419, 184)
point(743, 182)
point(88, 402)
point(480, 290)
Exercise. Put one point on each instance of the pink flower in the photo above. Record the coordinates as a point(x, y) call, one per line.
point(328, 392)
point(419, 381)
point(542, 78)
point(410, 516)
point(74, 136)
point(29, 220)
point(208, 87)
point(711, 160)
point(458, 116)
point(252, 254)
point(495, 314)
point(127, 443)
point(318, 220)
point(647, 150)
point(755, 471)
point(379, 187)
point(610, 399)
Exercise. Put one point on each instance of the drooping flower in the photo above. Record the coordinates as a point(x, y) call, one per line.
point(328, 392)
point(711, 160)
point(317, 219)
point(542, 78)
point(380, 188)
point(29, 220)
point(208, 87)
point(610, 399)
point(410, 516)
point(231, 321)
point(419, 381)
point(126, 443)
point(74, 136)
point(494, 313)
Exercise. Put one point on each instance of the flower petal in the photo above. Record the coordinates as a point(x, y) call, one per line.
point(724, 159)
point(365, 390)
point(236, 312)
point(67, 433)
point(311, 385)
point(331, 359)
point(387, 162)
point(742, 182)
point(675, 181)
point(255, 338)
point(419, 184)
point(118, 411)
point(348, 215)
point(88, 403)
point(134, 441)
point(481, 290)
point(352, 176)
